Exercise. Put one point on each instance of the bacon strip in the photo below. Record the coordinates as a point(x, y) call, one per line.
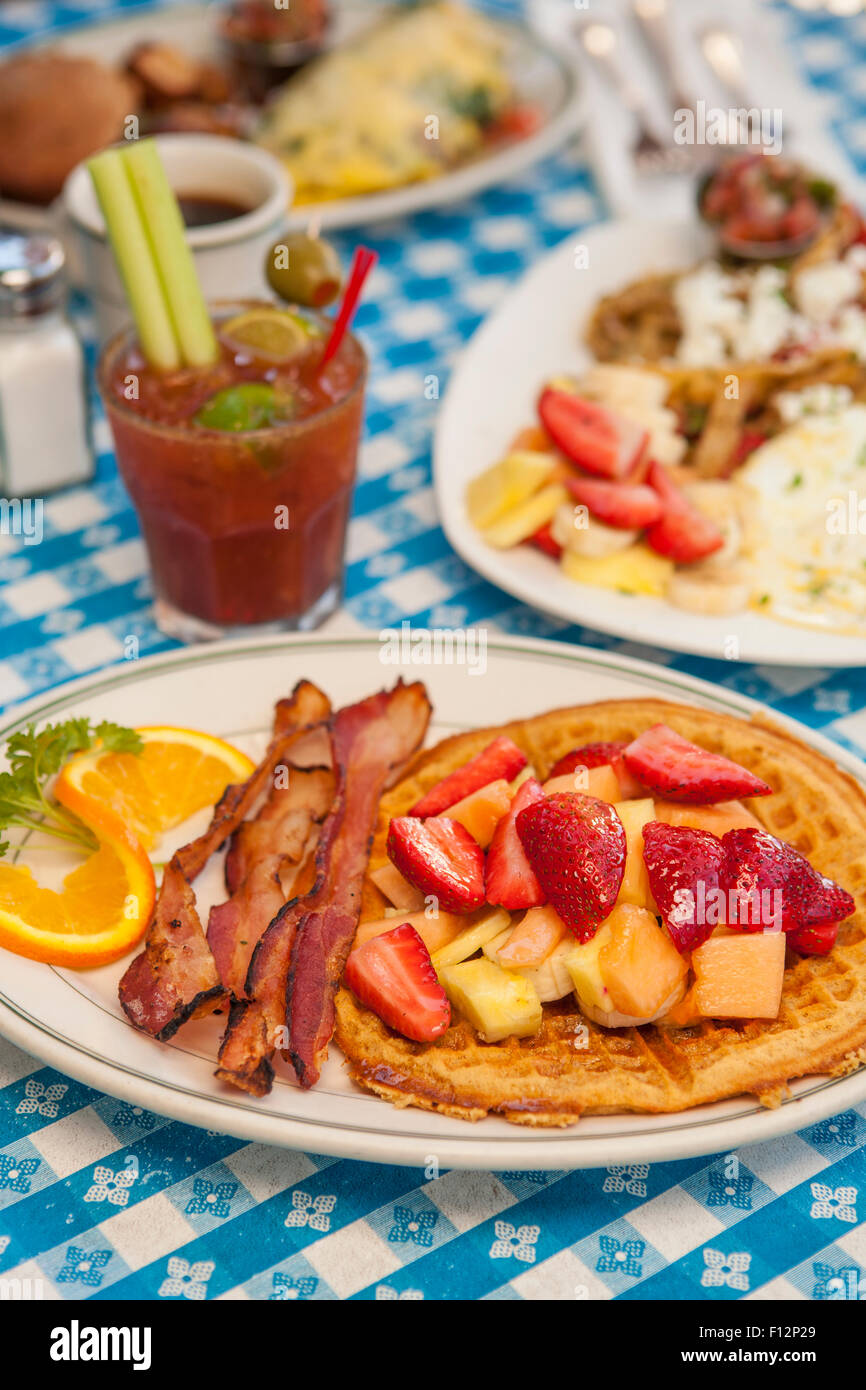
point(297, 965)
point(175, 976)
point(262, 852)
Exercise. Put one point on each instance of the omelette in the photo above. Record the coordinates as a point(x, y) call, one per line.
point(413, 96)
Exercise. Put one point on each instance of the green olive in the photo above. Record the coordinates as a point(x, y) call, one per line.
point(304, 270)
point(254, 405)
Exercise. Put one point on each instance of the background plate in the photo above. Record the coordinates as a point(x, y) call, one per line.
point(74, 1023)
point(537, 333)
point(540, 75)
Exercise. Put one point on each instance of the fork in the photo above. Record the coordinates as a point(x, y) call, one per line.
point(650, 154)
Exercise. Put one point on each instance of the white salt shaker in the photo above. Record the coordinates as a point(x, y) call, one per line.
point(44, 420)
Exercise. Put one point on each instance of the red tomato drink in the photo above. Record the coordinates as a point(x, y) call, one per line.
point(241, 472)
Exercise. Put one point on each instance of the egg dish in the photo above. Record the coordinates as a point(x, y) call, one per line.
point(425, 90)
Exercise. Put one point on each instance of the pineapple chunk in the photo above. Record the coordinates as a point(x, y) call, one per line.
point(506, 485)
point(472, 939)
point(635, 887)
point(637, 570)
point(585, 971)
point(519, 523)
point(498, 1003)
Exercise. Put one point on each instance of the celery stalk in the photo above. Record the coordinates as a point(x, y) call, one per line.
point(166, 235)
point(134, 260)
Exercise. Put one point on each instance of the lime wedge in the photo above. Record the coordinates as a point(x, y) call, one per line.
point(271, 335)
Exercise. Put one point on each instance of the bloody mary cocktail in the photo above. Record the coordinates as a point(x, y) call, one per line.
point(241, 472)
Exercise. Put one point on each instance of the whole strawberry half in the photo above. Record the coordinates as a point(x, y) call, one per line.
point(588, 755)
point(683, 868)
point(771, 881)
point(440, 858)
point(508, 876)
point(630, 506)
point(682, 532)
point(672, 767)
point(814, 941)
point(576, 845)
point(393, 975)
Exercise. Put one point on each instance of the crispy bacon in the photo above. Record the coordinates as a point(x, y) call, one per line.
point(262, 852)
point(175, 976)
point(296, 967)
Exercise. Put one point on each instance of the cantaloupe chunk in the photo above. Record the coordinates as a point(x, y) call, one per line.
point(635, 886)
point(481, 811)
point(724, 815)
point(533, 938)
point(471, 939)
point(640, 965)
point(397, 889)
point(436, 932)
point(685, 1014)
point(740, 976)
point(601, 782)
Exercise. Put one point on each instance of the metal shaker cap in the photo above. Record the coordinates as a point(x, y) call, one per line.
point(32, 279)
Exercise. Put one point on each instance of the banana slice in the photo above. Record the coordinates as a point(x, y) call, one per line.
point(591, 538)
point(616, 1020)
point(711, 591)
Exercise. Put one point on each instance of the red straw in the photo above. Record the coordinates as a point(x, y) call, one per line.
point(362, 263)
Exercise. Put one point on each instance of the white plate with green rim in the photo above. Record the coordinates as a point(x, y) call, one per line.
point(72, 1020)
point(535, 334)
point(540, 75)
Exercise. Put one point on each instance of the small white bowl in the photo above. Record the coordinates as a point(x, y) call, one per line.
point(229, 256)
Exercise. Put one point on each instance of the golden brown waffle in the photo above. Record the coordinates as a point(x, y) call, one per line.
point(548, 1080)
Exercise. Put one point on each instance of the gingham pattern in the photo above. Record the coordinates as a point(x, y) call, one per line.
point(100, 1199)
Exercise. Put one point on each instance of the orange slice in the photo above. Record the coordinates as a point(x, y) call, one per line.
point(99, 914)
point(178, 772)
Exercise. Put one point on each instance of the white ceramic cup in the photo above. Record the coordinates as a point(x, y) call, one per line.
point(229, 256)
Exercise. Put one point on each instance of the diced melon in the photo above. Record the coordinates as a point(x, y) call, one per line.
point(498, 1003)
point(685, 1014)
point(585, 971)
point(507, 484)
point(635, 886)
point(532, 438)
point(492, 947)
point(398, 890)
point(482, 810)
point(740, 976)
point(534, 937)
point(471, 939)
point(640, 965)
point(519, 523)
point(723, 816)
point(637, 570)
point(601, 782)
point(436, 932)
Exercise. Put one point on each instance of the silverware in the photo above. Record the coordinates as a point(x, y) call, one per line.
point(650, 153)
point(723, 53)
point(652, 17)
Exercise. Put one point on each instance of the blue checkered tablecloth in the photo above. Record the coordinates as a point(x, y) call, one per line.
point(99, 1199)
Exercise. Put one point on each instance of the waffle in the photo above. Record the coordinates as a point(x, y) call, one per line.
point(572, 1067)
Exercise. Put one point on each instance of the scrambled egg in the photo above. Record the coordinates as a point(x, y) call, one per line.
point(408, 99)
point(806, 521)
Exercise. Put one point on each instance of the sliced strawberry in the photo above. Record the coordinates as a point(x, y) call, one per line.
point(501, 758)
point(588, 755)
point(673, 768)
point(771, 880)
point(544, 540)
point(597, 438)
point(814, 941)
point(441, 859)
point(683, 533)
point(630, 506)
point(683, 868)
point(508, 876)
point(576, 845)
point(393, 975)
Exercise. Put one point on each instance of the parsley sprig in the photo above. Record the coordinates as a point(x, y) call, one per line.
point(35, 758)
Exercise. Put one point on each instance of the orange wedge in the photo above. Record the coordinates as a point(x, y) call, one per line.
point(178, 772)
point(99, 914)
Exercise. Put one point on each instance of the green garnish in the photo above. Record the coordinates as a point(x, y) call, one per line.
point(34, 758)
point(254, 405)
point(796, 481)
point(823, 191)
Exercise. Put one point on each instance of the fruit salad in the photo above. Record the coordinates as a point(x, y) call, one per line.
point(635, 881)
